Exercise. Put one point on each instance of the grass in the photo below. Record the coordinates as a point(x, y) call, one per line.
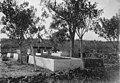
point(113, 71)
point(14, 69)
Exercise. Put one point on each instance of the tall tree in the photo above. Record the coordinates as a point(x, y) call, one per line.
point(88, 14)
point(70, 14)
point(119, 35)
point(20, 21)
point(108, 29)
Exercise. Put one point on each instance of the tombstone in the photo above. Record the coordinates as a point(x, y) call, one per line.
point(28, 51)
point(11, 55)
point(40, 49)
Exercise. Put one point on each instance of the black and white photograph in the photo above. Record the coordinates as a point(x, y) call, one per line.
point(59, 41)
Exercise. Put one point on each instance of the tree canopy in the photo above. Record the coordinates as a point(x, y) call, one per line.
point(58, 37)
point(71, 14)
point(108, 29)
point(18, 20)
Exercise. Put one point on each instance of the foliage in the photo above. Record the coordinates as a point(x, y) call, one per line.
point(71, 14)
point(20, 22)
point(88, 46)
point(58, 37)
point(108, 29)
point(87, 14)
point(18, 19)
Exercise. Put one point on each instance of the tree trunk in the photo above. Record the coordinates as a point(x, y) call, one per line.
point(21, 54)
point(20, 46)
point(81, 50)
point(33, 53)
point(119, 37)
point(19, 51)
point(72, 46)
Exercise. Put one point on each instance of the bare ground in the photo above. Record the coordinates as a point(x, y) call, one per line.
point(12, 68)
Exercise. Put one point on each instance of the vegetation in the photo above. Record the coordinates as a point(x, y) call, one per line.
point(23, 74)
point(73, 16)
point(58, 38)
point(109, 29)
point(70, 17)
point(102, 49)
point(20, 22)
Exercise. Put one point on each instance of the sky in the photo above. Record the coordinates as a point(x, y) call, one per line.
point(110, 8)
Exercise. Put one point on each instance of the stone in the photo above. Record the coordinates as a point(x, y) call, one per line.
point(57, 64)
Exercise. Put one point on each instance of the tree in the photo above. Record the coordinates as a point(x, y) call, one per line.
point(20, 22)
point(58, 37)
point(68, 14)
point(88, 14)
point(119, 35)
point(108, 29)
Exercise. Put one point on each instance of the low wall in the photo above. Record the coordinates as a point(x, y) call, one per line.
point(13, 55)
point(61, 53)
point(57, 64)
point(56, 54)
point(43, 62)
point(62, 64)
point(53, 64)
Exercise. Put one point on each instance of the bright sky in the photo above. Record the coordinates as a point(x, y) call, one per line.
point(110, 7)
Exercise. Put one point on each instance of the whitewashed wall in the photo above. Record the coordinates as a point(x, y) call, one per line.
point(56, 54)
point(15, 55)
point(61, 53)
point(57, 64)
point(43, 62)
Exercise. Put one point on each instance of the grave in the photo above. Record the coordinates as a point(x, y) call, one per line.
point(41, 49)
point(59, 63)
point(13, 55)
point(9, 52)
point(55, 63)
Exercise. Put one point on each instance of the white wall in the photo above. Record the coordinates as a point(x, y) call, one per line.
point(43, 62)
point(15, 55)
point(61, 64)
point(56, 54)
point(57, 64)
point(72, 63)
point(61, 53)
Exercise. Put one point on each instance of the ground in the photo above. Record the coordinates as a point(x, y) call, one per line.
point(13, 69)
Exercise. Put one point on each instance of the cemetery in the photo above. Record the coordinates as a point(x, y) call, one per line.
point(52, 63)
point(59, 63)
point(49, 61)
point(65, 41)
